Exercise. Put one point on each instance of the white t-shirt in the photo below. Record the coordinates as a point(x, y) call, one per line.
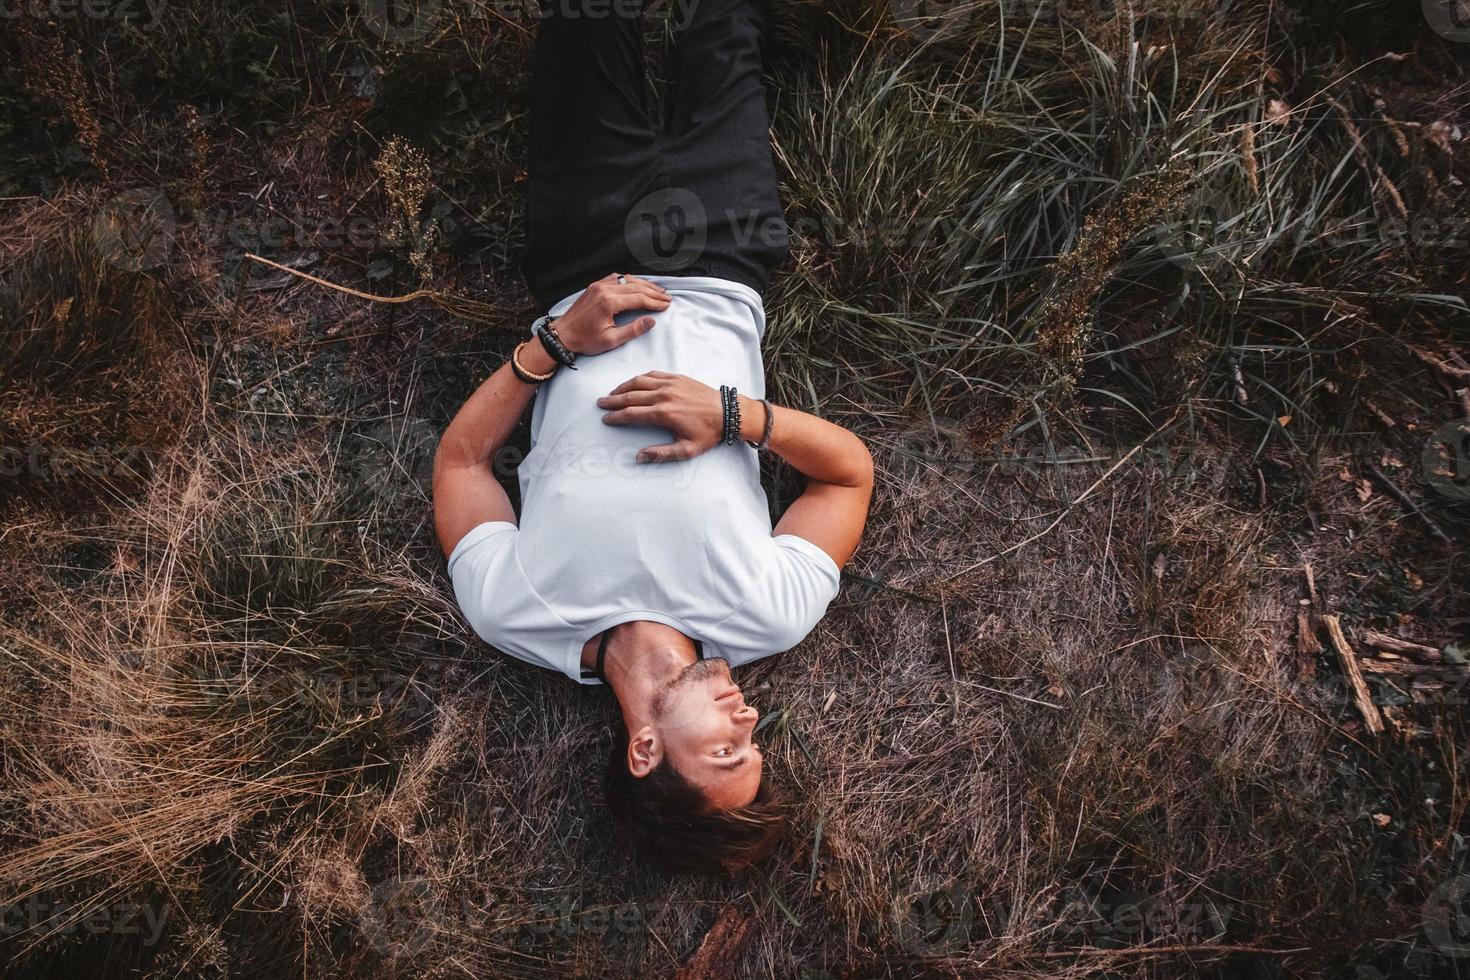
point(605, 540)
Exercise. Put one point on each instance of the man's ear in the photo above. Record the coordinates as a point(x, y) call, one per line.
point(644, 752)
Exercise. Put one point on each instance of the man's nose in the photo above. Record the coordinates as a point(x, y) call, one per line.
point(746, 715)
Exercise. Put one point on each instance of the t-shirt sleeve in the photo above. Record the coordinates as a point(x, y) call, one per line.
point(785, 603)
point(499, 602)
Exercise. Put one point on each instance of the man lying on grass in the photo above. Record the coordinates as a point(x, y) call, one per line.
point(644, 556)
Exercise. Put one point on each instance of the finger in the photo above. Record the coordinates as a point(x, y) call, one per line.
point(636, 415)
point(641, 287)
point(654, 293)
point(621, 298)
point(642, 382)
point(639, 280)
point(639, 327)
point(633, 285)
point(666, 452)
point(627, 399)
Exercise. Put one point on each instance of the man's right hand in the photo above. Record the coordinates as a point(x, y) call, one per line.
point(589, 328)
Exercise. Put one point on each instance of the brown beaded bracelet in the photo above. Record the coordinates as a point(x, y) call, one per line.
point(765, 442)
point(520, 371)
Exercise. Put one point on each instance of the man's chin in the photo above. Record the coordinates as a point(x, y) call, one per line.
point(712, 667)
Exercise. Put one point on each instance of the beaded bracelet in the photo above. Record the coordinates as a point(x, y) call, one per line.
point(552, 341)
point(765, 442)
point(730, 403)
point(520, 371)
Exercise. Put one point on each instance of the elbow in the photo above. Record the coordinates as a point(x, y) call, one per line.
point(860, 465)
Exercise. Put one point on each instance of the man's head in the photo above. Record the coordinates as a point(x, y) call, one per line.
point(689, 785)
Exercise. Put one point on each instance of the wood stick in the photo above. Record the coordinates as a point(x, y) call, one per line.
point(720, 949)
point(1307, 644)
point(1406, 502)
point(1443, 367)
point(1361, 697)
point(1380, 414)
point(1408, 648)
point(1404, 667)
point(1306, 637)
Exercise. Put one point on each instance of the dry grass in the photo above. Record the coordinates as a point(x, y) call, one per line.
point(1055, 724)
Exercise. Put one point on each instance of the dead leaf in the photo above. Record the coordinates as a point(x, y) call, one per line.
point(1364, 489)
point(1278, 112)
point(1382, 819)
point(1439, 133)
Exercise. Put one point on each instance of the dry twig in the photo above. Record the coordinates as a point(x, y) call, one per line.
point(1361, 696)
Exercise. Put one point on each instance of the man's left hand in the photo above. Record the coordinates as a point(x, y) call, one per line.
point(690, 409)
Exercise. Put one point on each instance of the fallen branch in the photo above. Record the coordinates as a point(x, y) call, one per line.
point(1361, 696)
point(1406, 668)
point(1380, 414)
point(1307, 644)
point(719, 951)
point(460, 306)
point(1408, 648)
point(1407, 502)
point(1443, 367)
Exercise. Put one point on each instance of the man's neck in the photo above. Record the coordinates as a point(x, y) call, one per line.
point(642, 658)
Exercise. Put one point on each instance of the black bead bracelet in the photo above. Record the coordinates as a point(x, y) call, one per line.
point(730, 402)
point(551, 340)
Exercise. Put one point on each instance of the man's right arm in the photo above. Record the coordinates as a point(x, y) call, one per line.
point(832, 511)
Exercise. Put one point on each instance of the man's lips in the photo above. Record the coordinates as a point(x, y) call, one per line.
point(733, 692)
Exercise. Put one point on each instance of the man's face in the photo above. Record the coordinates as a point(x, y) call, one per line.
point(705, 727)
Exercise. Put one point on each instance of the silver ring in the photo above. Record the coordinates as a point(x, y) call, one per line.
point(622, 280)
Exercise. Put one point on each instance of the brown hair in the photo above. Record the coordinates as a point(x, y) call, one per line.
point(671, 823)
